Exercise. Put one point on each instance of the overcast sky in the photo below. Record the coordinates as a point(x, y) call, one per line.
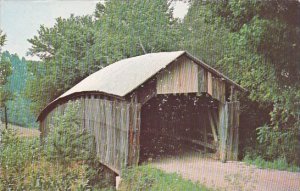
point(20, 19)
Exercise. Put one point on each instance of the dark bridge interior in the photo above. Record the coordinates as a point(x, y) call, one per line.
point(176, 124)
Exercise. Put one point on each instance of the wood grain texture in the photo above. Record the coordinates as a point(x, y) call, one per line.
point(228, 130)
point(110, 123)
point(202, 80)
point(179, 77)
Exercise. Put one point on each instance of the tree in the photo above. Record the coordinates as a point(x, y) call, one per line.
point(64, 53)
point(5, 71)
point(267, 37)
point(78, 46)
point(18, 105)
point(256, 43)
point(2, 39)
point(131, 28)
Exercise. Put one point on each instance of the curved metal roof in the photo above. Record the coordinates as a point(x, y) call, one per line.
point(124, 76)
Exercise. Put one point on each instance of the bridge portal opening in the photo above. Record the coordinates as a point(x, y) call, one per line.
point(173, 125)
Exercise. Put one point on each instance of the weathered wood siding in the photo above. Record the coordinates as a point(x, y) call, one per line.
point(202, 80)
point(115, 125)
point(228, 130)
point(209, 83)
point(218, 89)
point(233, 134)
point(185, 76)
point(134, 134)
point(179, 77)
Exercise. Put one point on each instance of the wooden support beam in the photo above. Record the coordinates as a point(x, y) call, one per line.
point(228, 131)
point(134, 133)
point(223, 130)
point(212, 125)
point(236, 131)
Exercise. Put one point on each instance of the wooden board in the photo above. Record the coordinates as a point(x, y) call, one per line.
point(202, 80)
point(179, 77)
point(218, 89)
point(209, 83)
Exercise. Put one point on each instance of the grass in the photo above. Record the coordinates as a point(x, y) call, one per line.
point(148, 178)
point(278, 164)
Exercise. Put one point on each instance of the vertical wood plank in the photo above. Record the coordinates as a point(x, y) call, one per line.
point(180, 76)
point(209, 83)
point(230, 130)
point(236, 131)
point(223, 130)
point(202, 80)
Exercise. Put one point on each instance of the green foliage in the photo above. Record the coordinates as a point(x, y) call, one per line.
point(15, 155)
point(149, 178)
point(278, 164)
point(255, 43)
point(131, 28)
point(65, 162)
point(78, 46)
point(264, 41)
point(67, 141)
point(2, 39)
point(67, 144)
point(278, 143)
point(18, 105)
point(5, 72)
point(64, 51)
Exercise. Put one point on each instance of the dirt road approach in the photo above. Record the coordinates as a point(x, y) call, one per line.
point(231, 175)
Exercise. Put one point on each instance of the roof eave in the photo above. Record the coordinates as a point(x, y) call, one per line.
point(74, 95)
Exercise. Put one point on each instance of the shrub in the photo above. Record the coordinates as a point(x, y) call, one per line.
point(44, 175)
point(67, 141)
point(279, 164)
point(15, 155)
point(276, 143)
point(67, 160)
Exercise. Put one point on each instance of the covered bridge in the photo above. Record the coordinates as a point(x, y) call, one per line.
point(170, 94)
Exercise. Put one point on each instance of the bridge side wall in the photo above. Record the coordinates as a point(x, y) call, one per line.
point(114, 124)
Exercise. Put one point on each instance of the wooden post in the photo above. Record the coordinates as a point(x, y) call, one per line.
point(228, 131)
point(134, 133)
point(236, 131)
point(212, 125)
point(118, 182)
point(223, 129)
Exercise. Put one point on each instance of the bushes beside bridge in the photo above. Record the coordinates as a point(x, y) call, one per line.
point(67, 161)
point(62, 162)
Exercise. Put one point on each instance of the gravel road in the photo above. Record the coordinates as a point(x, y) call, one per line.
point(231, 175)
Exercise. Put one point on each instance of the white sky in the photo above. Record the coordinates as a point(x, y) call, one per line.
point(20, 19)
